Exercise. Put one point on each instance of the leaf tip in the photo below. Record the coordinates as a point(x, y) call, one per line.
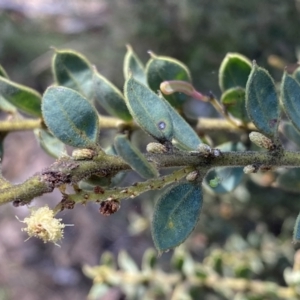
point(53, 48)
point(94, 69)
point(152, 54)
point(128, 47)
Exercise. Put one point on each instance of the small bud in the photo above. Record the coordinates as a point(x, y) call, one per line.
point(192, 176)
point(204, 149)
point(42, 224)
point(261, 141)
point(216, 152)
point(250, 169)
point(82, 154)
point(172, 86)
point(156, 148)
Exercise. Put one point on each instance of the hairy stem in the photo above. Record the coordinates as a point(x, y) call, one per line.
point(131, 191)
point(69, 171)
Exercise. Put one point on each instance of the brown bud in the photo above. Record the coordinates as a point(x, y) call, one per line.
point(109, 207)
point(98, 190)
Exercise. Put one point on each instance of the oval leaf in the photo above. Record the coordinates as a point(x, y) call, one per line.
point(262, 102)
point(234, 102)
point(70, 117)
point(234, 71)
point(291, 132)
point(296, 233)
point(161, 68)
point(133, 65)
point(24, 98)
point(183, 133)
point(133, 156)
point(296, 74)
point(3, 73)
point(5, 105)
point(73, 70)
point(2, 137)
point(110, 97)
point(289, 180)
point(49, 143)
point(148, 110)
point(290, 95)
point(225, 179)
point(175, 215)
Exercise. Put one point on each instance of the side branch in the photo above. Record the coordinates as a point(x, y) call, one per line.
point(64, 171)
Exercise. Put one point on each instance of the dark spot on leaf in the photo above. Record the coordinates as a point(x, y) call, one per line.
point(273, 122)
point(161, 125)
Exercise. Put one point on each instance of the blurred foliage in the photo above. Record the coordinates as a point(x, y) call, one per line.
point(197, 32)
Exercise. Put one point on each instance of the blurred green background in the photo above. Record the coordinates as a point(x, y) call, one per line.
point(199, 33)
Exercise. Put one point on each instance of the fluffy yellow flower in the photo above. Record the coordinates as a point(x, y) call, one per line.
point(42, 224)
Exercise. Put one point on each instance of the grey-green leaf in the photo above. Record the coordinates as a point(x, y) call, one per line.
point(133, 66)
point(70, 117)
point(289, 180)
point(110, 97)
point(234, 71)
point(225, 179)
point(49, 143)
point(5, 105)
point(296, 74)
point(148, 110)
point(3, 73)
point(133, 156)
point(262, 102)
point(175, 215)
point(24, 98)
point(296, 233)
point(183, 132)
point(2, 137)
point(290, 96)
point(73, 70)
point(290, 132)
point(161, 68)
point(233, 100)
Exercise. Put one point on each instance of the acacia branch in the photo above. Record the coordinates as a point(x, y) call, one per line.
point(69, 171)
